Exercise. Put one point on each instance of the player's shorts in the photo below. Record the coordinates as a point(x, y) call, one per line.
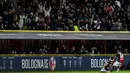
point(116, 64)
point(122, 61)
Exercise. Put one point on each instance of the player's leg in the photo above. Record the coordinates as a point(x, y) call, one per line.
point(117, 65)
point(111, 68)
point(118, 68)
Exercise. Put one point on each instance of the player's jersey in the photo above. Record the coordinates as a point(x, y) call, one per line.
point(118, 57)
point(107, 67)
point(121, 58)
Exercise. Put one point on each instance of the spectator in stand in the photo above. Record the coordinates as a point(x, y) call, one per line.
point(44, 49)
point(82, 50)
point(72, 51)
point(21, 22)
point(40, 7)
point(126, 51)
point(93, 49)
point(47, 11)
point(64, 50)
point(57, 51)
point(119, 25)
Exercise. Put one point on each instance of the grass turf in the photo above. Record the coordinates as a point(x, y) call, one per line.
point(69, 72)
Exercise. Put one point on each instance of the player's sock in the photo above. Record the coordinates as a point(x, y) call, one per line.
point(118, 68)
point(111, 68)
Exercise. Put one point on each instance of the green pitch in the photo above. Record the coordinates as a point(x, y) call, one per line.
point(69, 72)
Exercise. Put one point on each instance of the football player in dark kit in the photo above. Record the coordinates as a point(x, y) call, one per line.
point(108, 66)
point(117, 63)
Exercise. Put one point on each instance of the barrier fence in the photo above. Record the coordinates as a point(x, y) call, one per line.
point(27, 63)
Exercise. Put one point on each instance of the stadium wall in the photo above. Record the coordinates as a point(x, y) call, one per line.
point(27, 63)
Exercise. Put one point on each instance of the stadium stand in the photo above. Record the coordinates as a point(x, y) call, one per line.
point(72, 15)
point(63, 46)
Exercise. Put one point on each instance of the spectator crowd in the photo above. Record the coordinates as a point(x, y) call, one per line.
point(77, 15)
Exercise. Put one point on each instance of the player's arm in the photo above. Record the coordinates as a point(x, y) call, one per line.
point(114, 58)
point(107, 64)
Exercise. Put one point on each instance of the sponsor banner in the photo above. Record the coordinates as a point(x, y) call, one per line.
point(54, 63)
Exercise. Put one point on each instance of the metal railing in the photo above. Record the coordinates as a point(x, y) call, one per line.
point(58, 55)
